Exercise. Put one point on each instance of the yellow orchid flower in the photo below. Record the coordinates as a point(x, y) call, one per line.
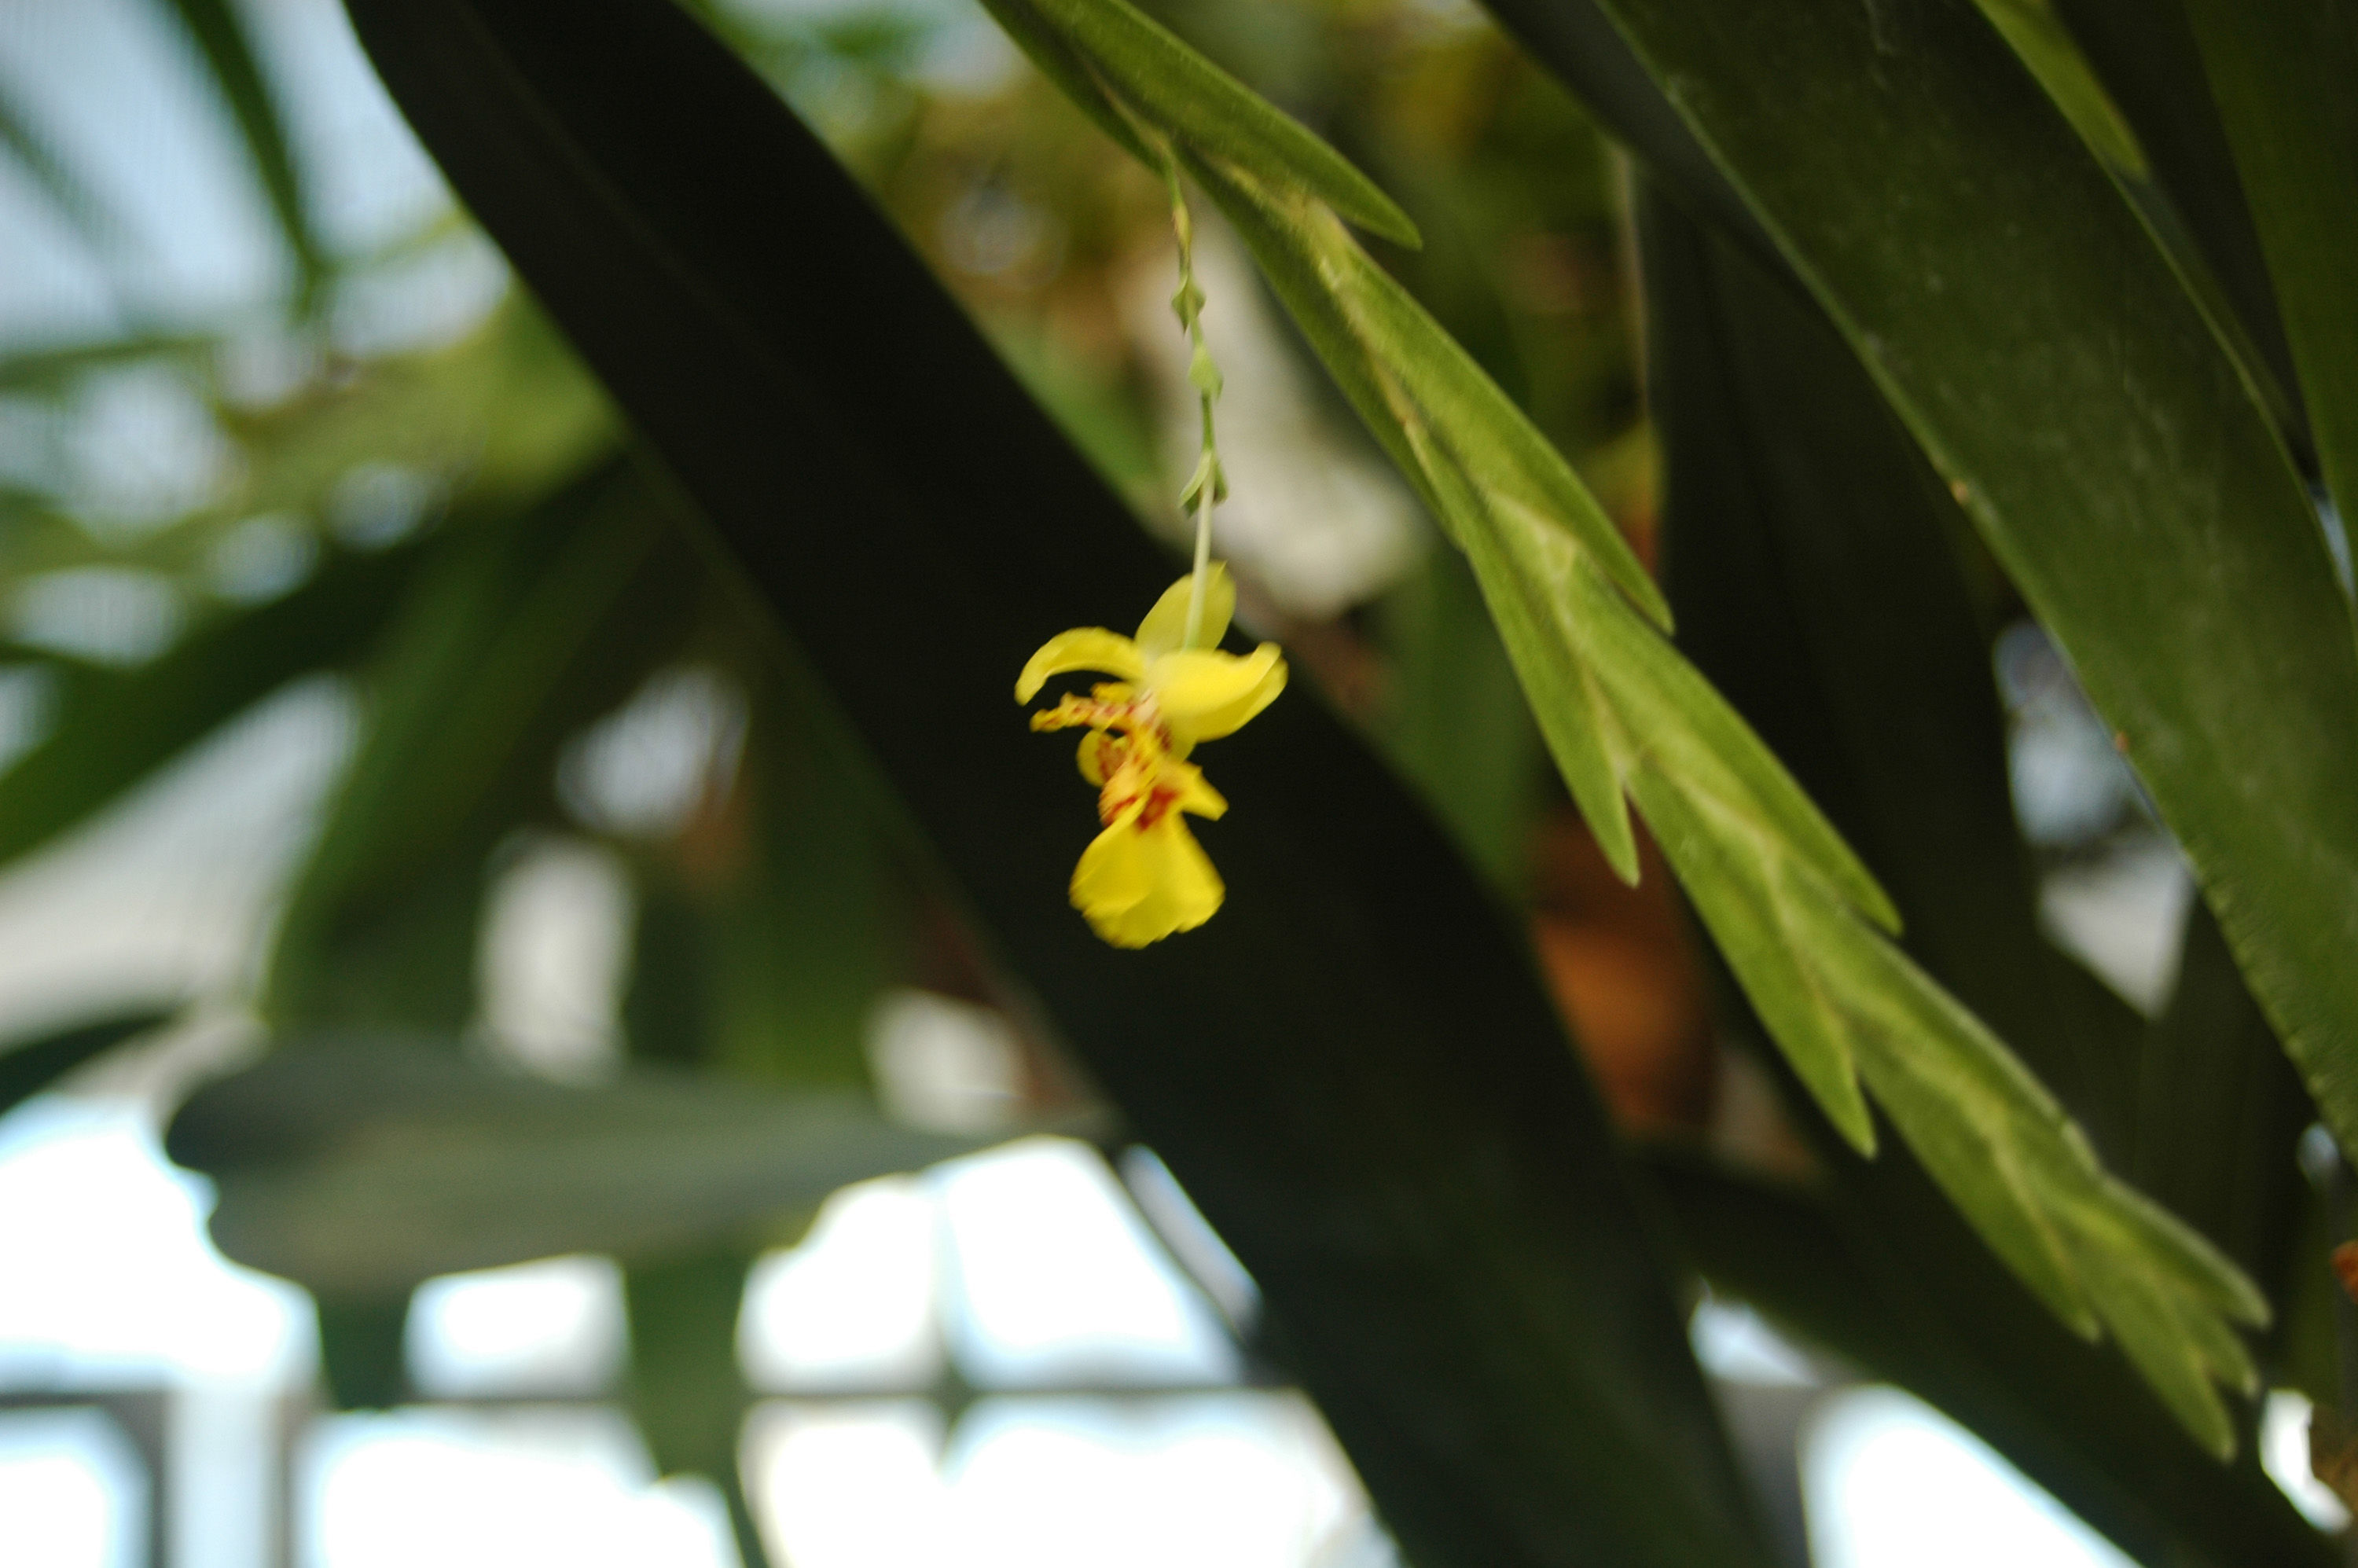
point(1145, 876)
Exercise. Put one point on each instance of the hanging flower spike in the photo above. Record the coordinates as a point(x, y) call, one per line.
point(1145, 876)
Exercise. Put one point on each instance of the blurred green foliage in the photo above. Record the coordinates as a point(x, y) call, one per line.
point(1893, 377)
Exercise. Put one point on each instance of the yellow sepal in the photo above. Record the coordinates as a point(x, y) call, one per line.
point(1164, 630)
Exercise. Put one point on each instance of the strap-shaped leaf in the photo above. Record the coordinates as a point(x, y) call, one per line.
point(1810, 554)
point(2023, 323)
point(28, 1066)
point(1352, 1070)
point(117, 728)
point(2220, 1111)
point(688, 1390)
point(2053, 55)
point(523, 629)
point(2152, 68)
point(2284, 74)
point(1797, 916)
point(360, 1165)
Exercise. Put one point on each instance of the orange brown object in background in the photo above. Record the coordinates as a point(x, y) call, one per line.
point(1619, 965)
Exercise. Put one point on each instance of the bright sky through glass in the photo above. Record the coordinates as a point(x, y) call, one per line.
point(1893, 1484)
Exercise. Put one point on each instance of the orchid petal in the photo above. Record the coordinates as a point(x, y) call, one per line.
point(1139, 885)
point(1205, 693)
point(1083, 648)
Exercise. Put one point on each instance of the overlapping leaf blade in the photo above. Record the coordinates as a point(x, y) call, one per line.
point(525, 629)
point(2281, 75)
point(2039, 344)
point(1352, 1069)
point(2152, 68)
point(1810, 554)
point(115, 727)
point(1801, 920)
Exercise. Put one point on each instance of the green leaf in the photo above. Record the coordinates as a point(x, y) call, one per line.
point(1894, 1285)
point(2150, 65)
point(2047, 47)
point(114, 727)
point(359, 1166)
point(1814, 557)
point(1100, 49)
point(1810, 547)
point(1807, 548)
point(2281, 74)
point(687, 1391)
point(2024, 325)
point(1352, 1069)
point(364, 1349)
point(29, 1066)
point(525, 629)
point(221, 36)
point(1800, 919)
point(1454, 718)
point(2220, 1112)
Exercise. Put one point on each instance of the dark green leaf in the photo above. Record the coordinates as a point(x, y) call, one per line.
point(2052, 54)
point(526, 628)
point(687, 1391)
point(364, 1349)
point(359, 1167)
point(2149, 62)
point(2027, 329)
point(28, 1068)
point(2220, 1111)
point(116, 726)
point(1801, 923)
point(1809, 554)
point(1812, 556)
point(2281, 73)
point(1351, 1068)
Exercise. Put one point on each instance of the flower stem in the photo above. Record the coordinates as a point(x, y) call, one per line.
point(1208, 485)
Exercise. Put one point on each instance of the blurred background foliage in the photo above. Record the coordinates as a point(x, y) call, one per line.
point(389, 482)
